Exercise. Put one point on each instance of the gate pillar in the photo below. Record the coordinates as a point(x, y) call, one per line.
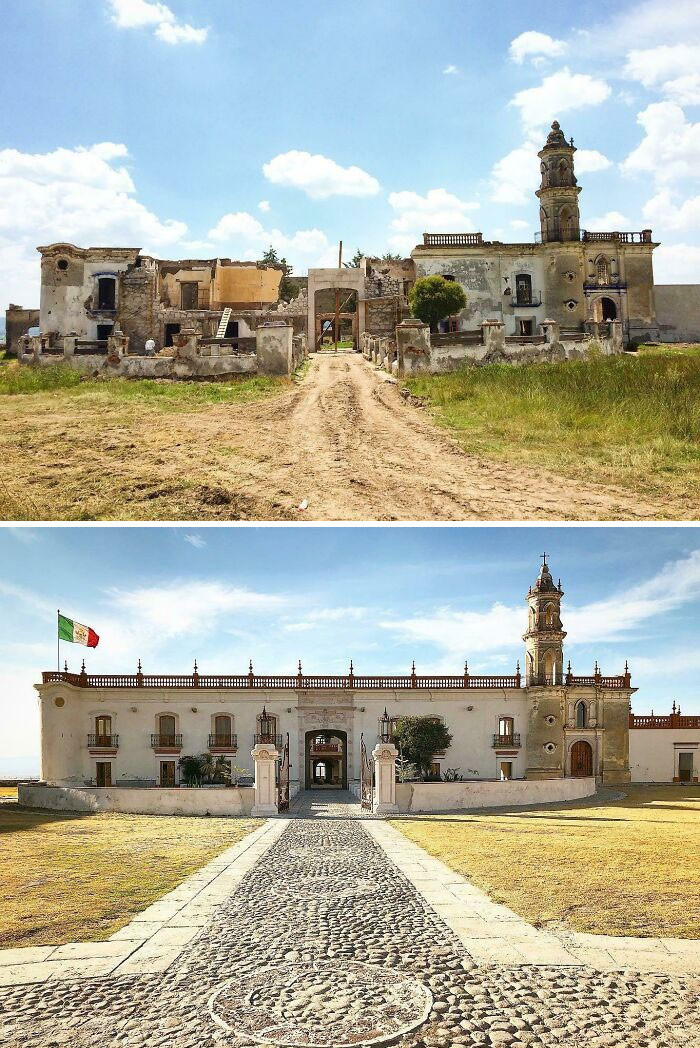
point(384, 755)
point(265, 757)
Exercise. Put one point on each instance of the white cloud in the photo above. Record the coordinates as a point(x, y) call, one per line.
point(156, 614)
point(612, 221)
point(181, 34)
point(516, 176)
point(663, 212)
point(451, 70)
point(264, 205)
point(559, 93)
point(138, 14)
point(672, 69)
point(196, 540)
point(318, 176)
point(537, 44)
point(588, 160)
point(242, 228)
point(437, 212)
point(670, 149)
point(622, 614)
point(677, 264)
point(80, 195)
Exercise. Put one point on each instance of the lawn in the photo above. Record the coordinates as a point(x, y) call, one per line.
point(631, 419)
point(625, 867)
point(68, 878)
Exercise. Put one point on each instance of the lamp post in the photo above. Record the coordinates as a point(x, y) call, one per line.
point(385, 727)
point(267, 725)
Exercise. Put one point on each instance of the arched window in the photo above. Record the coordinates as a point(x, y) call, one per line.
point(166, 729)
point(222, 729)
point(523, 289)
point(602, 269)
point(549, 615)
point(550, 667)
point(566, 224)
point(545, 176)
point(581, 715)
point(103, 730)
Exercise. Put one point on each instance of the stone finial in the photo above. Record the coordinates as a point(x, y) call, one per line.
point(65, 665)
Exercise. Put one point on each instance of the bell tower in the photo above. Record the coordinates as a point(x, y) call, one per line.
point(559, 190)
point(544, 638)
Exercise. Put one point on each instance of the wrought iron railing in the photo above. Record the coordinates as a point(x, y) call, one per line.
point(267, 740)
point(506, 740)
point(167, 742)
point(103, 742)
point(227, 742)
point(524, 299)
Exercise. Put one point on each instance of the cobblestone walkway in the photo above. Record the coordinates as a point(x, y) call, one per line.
point(325, 943)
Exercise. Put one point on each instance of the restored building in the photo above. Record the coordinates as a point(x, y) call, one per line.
point(570, 275)
point(543, 723)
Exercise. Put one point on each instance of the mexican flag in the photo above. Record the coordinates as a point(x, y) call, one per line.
point(76, 632)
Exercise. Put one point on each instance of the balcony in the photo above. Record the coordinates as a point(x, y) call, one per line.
point(103, 742)
point(268, 740)
point(526, 300)
point(507, 741)
point(166, 742)
point(223, 743)
point(612, 285)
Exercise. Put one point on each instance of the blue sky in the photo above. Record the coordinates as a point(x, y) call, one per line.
point(212, 127)
point(381, 596)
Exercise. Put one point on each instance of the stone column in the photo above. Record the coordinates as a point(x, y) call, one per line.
point(69, 342)
point(117, 344)
point(616, 341)
point(384, 756)
point(413, 345)
point(551, 330)
point(493, 334)
point(265, 757)
point(273, 347)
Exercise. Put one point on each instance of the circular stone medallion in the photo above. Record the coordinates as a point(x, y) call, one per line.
point(323, 1005)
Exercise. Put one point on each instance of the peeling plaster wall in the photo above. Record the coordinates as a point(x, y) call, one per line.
point(484, 274)
point(677, 312)
point(17, 323)
point(69, 296)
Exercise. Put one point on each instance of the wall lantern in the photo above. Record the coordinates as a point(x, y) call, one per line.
point(267, 725)
point(385, 726)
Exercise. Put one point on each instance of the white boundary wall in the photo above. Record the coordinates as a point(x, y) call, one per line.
point(233, 800)
point(453, 796)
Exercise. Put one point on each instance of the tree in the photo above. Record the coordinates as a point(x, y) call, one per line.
point(354, 263)
point(421, 738)
point(434, 298)
point(388, 257)
point(271, 259)
point(191, 770)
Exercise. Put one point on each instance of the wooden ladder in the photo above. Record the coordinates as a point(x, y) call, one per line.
point(223, 323)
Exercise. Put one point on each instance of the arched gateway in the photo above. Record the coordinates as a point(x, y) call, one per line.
point(581, 759)
point(326, 759)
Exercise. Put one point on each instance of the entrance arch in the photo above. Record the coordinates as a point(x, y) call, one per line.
point(581, 759)
point(604, 309)
point(326, 763)
point(345, 279)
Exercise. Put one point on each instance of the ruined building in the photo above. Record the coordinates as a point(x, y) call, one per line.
point(569, 275)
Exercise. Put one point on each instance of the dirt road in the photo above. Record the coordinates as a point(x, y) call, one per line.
point(343, 439)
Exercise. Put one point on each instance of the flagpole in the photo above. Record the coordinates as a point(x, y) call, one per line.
point(58, 640)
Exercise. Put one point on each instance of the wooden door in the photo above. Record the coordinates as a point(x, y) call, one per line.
point(581, 759)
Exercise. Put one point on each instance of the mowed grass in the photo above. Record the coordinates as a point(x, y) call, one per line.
point(16, 380)
point(625, 867)
point(68, 878)
point(632, 419)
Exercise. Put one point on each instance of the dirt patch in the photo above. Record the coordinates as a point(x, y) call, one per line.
point(343, 439)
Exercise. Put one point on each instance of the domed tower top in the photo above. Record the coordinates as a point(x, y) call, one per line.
point(544, 583)
point(559, 189)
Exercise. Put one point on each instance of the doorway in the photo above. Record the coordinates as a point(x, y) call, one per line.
point(685, 767)
point(170, 330)
point(604, 309)
point(581, 760)
point(326, 760)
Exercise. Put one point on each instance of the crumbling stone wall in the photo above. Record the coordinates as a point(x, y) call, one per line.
point(17, 323)
point(137, 296)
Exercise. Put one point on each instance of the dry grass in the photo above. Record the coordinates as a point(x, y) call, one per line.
point(631, 419)
point(75, 448)
point(67, 878)
point(627, 867)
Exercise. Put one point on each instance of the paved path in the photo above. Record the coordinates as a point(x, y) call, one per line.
point(321, 941)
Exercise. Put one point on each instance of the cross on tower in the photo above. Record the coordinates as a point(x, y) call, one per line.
point(544, 558)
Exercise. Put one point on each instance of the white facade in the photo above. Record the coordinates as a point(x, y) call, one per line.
point(665, 754)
